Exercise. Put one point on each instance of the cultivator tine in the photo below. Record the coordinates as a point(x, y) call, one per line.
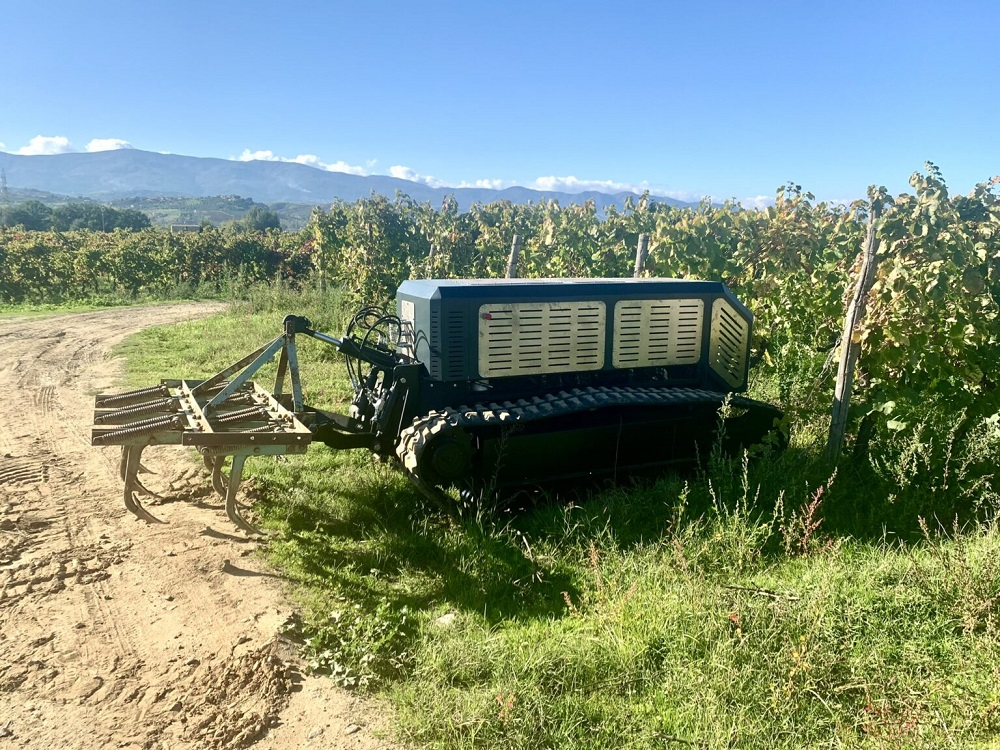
point(141, 470)
point(232, 509)
point(122, 472)
point(219, 480)
point(130, 461)
point(143, 490)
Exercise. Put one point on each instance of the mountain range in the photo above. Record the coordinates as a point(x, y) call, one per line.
point(126, 173)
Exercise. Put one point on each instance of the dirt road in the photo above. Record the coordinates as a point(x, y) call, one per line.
point(115, 633)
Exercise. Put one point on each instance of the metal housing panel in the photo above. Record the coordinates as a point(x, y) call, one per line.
point(657, 332)
point(729, 343)
point(534, 338)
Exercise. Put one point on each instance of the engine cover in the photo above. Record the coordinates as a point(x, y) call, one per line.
point(485, 330)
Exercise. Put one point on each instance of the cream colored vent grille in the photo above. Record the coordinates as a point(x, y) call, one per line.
point(533, 338)
point(407, 317)
point(657, 332)
point(728, 348)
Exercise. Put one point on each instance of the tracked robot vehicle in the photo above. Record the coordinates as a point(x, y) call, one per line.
point(480, 389)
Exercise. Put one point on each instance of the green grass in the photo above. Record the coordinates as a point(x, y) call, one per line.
point(748, 606)
point(41, 310)
point(229, 287)
point(97, 302)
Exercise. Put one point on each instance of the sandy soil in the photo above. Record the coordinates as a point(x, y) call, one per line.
point(115, 633)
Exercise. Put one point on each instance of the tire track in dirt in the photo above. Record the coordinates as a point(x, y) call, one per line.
point(114, 633)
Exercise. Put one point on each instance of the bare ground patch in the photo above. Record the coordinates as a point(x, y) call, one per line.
point(115, 633)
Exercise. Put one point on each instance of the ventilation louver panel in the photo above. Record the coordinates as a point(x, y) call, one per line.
point(541, 337)
point(657, 332)
point(407, 317)
point(455, 345)
point(729, 343)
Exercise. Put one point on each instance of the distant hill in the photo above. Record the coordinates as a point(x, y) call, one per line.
point(131, 173)
point(23, 195)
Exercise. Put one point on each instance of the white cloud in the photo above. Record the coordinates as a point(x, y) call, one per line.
point(249, 155)
point(491, 184)
point(3, 145)
point(486, 184)
point(108, 144)
point(757, 201)
point(343, 166)
point(309, 160)
point(43, 145)
point(405, 173)
point(573, 184)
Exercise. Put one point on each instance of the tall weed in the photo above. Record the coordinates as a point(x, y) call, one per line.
point(939, 464)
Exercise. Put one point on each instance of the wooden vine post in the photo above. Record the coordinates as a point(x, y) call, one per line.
point(641, 251)
point(322, 253)
point(515, 253)
point(430, 259)
point(850, 348)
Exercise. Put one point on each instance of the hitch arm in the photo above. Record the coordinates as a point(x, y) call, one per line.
point(382, 359)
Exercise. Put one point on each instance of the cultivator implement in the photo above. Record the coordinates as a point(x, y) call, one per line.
point(227, 415)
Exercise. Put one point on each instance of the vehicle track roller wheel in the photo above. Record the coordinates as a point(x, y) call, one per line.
point(446, 455)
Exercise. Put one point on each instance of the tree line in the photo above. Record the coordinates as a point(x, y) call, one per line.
point(36, 216)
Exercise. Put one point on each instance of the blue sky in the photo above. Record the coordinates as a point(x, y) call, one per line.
point(728, 99)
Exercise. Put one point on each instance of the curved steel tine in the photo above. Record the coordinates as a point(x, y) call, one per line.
point(142, 470)
point(131, 454)
point(218, 478)
point(143, 490)
point(232, 509)
point(122, 461)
